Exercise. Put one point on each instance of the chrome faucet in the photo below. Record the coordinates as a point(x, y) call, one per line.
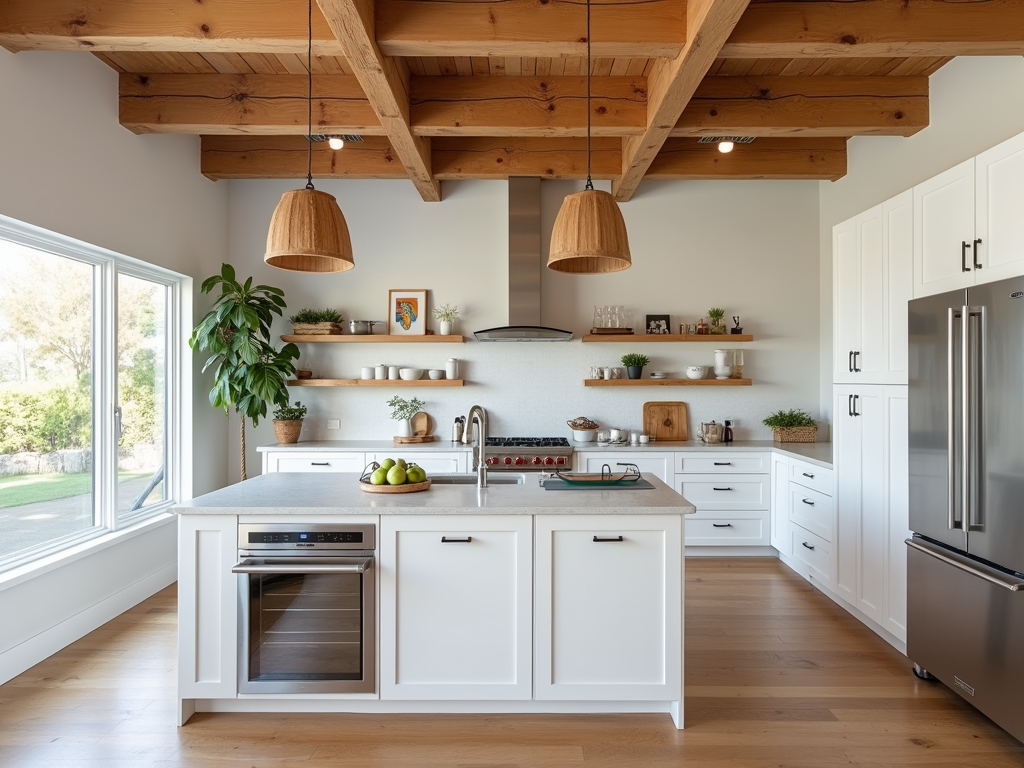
point(478, 413)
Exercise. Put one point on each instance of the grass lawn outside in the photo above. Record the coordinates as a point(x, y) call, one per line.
point(17, 490)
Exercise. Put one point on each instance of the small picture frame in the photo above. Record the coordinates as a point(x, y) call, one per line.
point(407, 312)
point(657, 324)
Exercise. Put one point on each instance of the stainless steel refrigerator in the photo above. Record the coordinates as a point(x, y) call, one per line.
point(965, 562)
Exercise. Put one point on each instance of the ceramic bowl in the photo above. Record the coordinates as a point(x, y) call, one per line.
point(696, 371)
point(410, 374)
point(435, 374)
point(584, 435)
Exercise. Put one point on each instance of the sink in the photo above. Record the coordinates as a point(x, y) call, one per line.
point(470, 479)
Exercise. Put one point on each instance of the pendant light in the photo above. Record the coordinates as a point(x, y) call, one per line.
point(308, 232)
point(589, 236)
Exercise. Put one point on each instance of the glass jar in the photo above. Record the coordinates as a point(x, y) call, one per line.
point(737, 364)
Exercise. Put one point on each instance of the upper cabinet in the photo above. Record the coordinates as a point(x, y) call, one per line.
point(872, 283)
point(967, 224)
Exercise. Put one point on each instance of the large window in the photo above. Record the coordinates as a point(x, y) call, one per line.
point(87, 391)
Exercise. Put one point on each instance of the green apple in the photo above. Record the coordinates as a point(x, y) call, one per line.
point(387, 464)
point(396, 475)
point(415, 474)
point(379, 476)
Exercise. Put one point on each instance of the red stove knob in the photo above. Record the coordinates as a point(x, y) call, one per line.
point(508, 461)
point(520, 461)
point(560, 461)
point(492, 460)
point(549, 460)
point(537, 460)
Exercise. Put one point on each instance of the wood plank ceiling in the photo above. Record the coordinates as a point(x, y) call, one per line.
point(484, 89)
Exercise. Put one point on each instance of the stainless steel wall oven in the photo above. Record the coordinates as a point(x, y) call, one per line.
point(308, 608)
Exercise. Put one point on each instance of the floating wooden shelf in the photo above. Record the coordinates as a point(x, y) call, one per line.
point(722, 338)
point(375, 383)
point(430, 338)
point(667, 382)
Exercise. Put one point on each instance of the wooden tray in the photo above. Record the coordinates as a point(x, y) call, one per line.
point(407, 488)
point(414, 439)
point(665, 420)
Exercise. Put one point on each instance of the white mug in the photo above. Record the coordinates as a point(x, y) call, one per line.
point(393, 372)
point(380, 372)
point(607, 374)
point(367, 373)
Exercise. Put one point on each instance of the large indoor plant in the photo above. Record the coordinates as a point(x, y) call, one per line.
point(248, 372)
point(792, 427)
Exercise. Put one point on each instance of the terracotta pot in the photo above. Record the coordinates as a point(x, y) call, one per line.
point(287, 431)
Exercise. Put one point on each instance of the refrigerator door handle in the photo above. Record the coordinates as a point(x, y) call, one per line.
point(951, 444)
point(966, 395)
point(961, 563)
point(972, 415)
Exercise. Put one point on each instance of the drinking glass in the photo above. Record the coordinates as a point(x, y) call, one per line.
point(737, 363)
point(598, 317)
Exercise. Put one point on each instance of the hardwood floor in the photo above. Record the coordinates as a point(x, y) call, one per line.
point(777, 677)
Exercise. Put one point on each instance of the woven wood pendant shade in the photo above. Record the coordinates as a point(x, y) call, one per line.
point(589, 236)
point(308, 233)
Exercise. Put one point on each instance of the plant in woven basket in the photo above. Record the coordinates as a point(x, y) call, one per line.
point(288, 422)
point(248, 371)
point(794, 426)
point(315, 322)
point(717, 317)
point(295, 412)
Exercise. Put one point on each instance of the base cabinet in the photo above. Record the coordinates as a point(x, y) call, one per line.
point(455, 608)
point(433, 462)
point(313, 461)
point(608, 607)
point(732, 494)
point(648, 462)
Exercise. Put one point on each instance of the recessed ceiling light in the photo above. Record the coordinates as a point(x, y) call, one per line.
point(725, 146)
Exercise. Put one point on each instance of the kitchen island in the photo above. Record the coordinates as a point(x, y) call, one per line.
point(548, 601)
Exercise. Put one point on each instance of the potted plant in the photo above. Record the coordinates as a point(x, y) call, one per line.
point(402, 410)
point(446, 315)
point(635, 364)
point(717, 317)
point(792, 427)
point(288, 422)
point(316, 322)
point(248, 372)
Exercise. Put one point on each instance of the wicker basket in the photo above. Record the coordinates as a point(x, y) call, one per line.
point(795, 434)
point(317, 329)
point(287, 431)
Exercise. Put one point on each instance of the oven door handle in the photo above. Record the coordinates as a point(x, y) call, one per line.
point(248, 566)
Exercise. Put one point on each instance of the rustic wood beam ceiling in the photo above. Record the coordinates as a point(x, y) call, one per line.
point(803, 158)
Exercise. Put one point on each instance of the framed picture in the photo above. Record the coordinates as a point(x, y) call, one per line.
point(407, 312)
point(657, 324)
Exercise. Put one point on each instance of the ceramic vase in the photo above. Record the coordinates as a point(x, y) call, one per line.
point(447, 326)
point(404, 428)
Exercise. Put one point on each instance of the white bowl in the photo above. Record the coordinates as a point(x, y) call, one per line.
point(435, 374)
point(696, 371)
point(410, 374)
point(584, 435)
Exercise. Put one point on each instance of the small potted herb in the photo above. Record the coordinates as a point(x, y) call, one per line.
point(402, 410)
point(446, 315)
point(635, 363)
point(792, 426)
point(717, 317)
point(317, 322)
point(288, 422)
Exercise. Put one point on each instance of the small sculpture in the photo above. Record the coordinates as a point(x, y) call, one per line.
point(738, 329)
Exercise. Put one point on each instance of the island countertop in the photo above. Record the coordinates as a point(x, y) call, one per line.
point(321, 493)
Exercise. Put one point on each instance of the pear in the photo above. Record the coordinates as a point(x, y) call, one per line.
point(401, 463)
point(387, 464)
point(379, 476)
point(396, 475)
point(415, 474)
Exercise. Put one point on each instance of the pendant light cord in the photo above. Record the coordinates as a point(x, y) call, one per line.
point(590, 183)
point(309, 66)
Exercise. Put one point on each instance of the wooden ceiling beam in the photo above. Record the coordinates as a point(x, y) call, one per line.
point(795, 29)
point(672, 84)
point(806, 106)
point(772, 158)
point(253, 104)
point(527, 106)
point(637, 29)
point(284, 157)
point(225, 26)
point(385, 81)
point(494, 158)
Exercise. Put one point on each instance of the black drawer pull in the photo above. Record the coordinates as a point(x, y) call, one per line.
point(320, 463)
point(721, 525)
point(456, 539)
point(807, 474)
point(723, 489)
point(808, 545)
point(607, 538)
point(808, 502)
point(723, 463)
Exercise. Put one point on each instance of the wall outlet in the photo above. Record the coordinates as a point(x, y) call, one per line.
point(334, 423)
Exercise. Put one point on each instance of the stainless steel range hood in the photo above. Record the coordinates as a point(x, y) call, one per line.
point(524, 269)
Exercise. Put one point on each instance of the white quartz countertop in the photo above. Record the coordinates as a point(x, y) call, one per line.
point(816, 453)
point(325, 493)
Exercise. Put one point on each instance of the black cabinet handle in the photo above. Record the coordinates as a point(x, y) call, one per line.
point(320, 463)
point(856, 368)
point(723, 463)
point(977, 264)
point(808, 545)
point(849, 360)
point(808, 502)
point(807, 474)
point(607, 538)
point(963, 256)
point(849, 405)
point(855, 399)
point(723, 489)
point(456, 539)
point(722, 525)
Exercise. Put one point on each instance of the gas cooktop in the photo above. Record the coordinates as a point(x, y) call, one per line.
point(527, 442)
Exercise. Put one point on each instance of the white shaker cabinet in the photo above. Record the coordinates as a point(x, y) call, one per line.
point(732, 494)
point(648, 462)
point(608, 607)
point(780, 505)
point(433, 462)
point(455, 607)
point(313, 461)
point(999, 200)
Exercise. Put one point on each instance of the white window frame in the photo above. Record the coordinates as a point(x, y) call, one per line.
point(104, 384)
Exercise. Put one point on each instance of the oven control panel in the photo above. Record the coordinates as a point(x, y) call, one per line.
point(282, 536)
point(298, 537)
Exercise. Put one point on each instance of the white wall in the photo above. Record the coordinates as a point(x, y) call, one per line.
point(975, 104)
point(749, 247)
point(66, 165)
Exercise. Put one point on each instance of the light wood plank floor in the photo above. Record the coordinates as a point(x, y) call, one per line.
point(777, 677)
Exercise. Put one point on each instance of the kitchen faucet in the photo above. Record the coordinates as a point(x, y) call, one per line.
point(478, 413)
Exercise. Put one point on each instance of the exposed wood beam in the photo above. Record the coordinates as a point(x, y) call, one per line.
point(492, 158)
point(527, 106)
point(670, 86)
point(224, 26)
point(254, 104)
point(284, 157)
point(802, 158)
point(637, 29)
point(884, 28)
point(385, 81)
point(806, 106)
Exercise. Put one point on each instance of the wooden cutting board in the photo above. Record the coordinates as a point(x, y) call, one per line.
point(665, 420)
